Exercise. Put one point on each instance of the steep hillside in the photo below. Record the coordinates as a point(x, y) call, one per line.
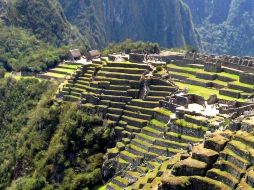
point(44, 18)
point(166, 22)
point(224, 27)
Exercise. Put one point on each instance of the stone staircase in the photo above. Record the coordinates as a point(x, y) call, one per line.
point(223, 161)
point(79, 82)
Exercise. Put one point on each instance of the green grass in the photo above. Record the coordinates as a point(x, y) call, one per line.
point(205, 92)
point(74, 67)
point(231, 153)
point(157, 123)
point(163, 111)
point(220, 82)
point(183, 123)
point(188, 75)
point(243, 84)
point(229, 75)
point(103, 187)
point(69, 71)
point(218, 184)
point(224, 174)
point(231, 90)
point(152, 130)
point(56, 75)
point(185, 137)
point(184, 68)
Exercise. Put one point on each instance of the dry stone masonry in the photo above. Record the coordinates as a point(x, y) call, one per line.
point(167, 137)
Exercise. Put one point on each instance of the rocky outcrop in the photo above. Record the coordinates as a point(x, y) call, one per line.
point(102, 21)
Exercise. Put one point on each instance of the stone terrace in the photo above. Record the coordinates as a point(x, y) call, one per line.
point(153, 139)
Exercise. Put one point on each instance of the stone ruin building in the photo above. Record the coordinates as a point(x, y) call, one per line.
point(166, 137)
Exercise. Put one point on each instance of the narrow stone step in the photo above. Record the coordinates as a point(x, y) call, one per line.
point(154, 98)
point(120, 105)
point(232, 157)
point(142, 144)
point(144, 104)
point(162, 88)
point(145, 137)
point(114, 92)
point(124, 70)
point(134, 121)
point(119, 87)
point(158, 93)
point(171, 144)
point(241, 149)
point(205, 155)
point(132, 129)
point(205, 183)
point(110, 98)
point(132, 176)
point(230, 167)
point(82, 82)
point(142, 110)
point(116, 111)
point(189, 129)
point(216, 143)
point(112, 186)
point(138, 115)
point(119, 181)
point(160, 150)
point(223, 177)
point(113, 117)
point(142, 152)
point(190, 167)
point(151, 132)
point(120, 75)
point(130, 157)
point(153, 164)
point(128, 134)
point(178, 137)
point(160, 126)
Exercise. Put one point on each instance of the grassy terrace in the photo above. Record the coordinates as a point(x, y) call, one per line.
point(185, 68)
point(205, 92)
point(70, 66)
point(190, 73)
point(55, 75)
point(183, 123)
point(69, 71)
point(163, 111)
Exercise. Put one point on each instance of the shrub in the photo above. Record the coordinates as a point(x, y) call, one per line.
point(2, 73)
point(159, 68)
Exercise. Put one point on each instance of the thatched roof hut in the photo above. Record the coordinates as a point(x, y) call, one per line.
point(93, 54)
point(74, 54)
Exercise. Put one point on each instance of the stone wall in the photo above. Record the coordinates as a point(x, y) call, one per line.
point(213, 67)
point(247, 78)
point(136, 58)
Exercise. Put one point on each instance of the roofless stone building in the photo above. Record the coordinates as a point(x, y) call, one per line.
point(167, 137)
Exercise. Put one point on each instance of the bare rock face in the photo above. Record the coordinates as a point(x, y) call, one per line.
point(166, 22)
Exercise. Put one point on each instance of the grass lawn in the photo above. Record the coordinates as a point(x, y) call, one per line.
point(70, 71)
point(232, 76)
point(243, 84)
point(70, 66)
point(57, 75)
point(205, 92)
point(185, 68)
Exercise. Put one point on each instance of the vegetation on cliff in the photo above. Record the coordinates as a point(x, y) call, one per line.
point(46, 144)
point(128, 46)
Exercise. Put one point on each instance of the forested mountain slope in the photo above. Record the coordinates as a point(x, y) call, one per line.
point(102, 21)
point(225, 27)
